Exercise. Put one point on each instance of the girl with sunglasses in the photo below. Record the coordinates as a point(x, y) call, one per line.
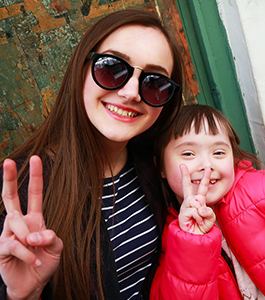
point(90, 226)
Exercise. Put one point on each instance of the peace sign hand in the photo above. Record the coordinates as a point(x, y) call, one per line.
point(195, 217)
point(29, 253)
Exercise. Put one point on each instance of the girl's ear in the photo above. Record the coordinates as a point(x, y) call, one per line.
point(162, 173)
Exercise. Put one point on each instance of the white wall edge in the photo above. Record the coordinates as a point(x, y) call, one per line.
point(232, 22)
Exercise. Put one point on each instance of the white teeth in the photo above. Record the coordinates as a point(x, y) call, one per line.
point(196, 181)
point(121, 112)
point(213, 181)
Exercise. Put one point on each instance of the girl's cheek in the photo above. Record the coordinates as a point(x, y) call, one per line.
point(174, 180)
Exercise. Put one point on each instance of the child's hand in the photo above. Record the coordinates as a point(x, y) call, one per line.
point(195, 217)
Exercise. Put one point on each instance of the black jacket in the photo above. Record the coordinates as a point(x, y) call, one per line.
point(149, 181)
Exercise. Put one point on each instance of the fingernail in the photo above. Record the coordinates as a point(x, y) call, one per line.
point(35, 238)
point(37, 262)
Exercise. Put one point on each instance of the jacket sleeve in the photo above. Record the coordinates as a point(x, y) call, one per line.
point(242, 219)
point(188, 265)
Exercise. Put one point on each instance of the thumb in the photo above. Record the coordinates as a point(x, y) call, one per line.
point(48, 239)
point(207, 213)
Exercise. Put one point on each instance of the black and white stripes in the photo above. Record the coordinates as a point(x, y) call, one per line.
point(132, 229)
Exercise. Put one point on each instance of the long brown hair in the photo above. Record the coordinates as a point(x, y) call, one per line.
point(69, 141)
point(195, 116)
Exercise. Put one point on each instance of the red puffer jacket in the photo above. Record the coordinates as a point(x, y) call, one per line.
point(191, 266)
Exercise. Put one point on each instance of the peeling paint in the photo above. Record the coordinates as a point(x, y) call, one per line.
point(37, 39)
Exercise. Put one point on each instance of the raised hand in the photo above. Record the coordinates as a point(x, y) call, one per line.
point(29, 253)
point(195, 217)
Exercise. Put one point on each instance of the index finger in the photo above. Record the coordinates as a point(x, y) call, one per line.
point(204, 184)
point(35, 187)
point(10, 191)
point(186, 182)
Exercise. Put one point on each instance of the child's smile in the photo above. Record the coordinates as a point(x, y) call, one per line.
point(212, 181)
point(197, 152)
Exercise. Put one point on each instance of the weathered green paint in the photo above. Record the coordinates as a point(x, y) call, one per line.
point(213, 63)
point(197, 59)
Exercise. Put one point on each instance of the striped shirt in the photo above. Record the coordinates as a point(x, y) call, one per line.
point(132, 230)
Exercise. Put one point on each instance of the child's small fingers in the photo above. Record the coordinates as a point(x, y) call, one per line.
point(195, 202)
point(204, 184)
point(186, 182)
point(207, 213)
point(196, 216)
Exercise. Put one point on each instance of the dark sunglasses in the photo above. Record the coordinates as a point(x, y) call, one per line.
point(111, 73)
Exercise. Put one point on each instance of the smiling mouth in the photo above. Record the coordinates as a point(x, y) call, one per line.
point(121, 112)
point(213, 181)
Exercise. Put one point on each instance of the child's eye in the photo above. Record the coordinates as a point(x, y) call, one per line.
point(219, 152)
point(187, 153)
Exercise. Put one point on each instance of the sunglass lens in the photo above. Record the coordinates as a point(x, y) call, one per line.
point(110, 72)
point(156, 90)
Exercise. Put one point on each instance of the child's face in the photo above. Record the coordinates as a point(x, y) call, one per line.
point(198, 151)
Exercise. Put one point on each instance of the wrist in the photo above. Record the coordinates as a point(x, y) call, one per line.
point(35, 295)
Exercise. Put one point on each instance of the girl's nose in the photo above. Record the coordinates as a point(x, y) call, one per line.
point(206, 163)
point(130, 91)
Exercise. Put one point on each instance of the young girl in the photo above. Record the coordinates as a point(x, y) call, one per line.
point(222, 206)
point(101, 201)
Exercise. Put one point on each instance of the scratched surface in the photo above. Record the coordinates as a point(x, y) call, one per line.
point(37, 38)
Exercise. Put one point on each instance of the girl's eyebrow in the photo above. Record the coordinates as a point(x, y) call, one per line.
point(218, 143)
point(186, 144)
point(221, 143)
point(153, 67)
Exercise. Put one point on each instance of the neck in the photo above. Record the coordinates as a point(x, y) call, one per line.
point(117, 155)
